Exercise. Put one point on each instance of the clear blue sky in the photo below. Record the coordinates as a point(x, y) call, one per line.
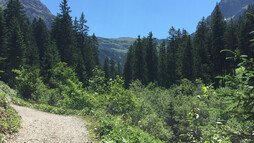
point(130, 18)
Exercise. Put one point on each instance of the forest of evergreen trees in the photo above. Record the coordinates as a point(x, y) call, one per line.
point(184, 90)
point(196, 56)
point(32, 44)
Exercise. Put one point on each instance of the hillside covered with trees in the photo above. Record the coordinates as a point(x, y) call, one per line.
point(187, 89)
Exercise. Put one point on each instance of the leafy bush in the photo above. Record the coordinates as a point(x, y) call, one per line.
point(113, 129)
point(29, 83)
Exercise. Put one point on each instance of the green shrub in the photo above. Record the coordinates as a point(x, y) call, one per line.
point(113, 129)
point(9, 118)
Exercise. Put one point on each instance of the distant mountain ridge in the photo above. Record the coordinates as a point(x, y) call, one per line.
point(34, 9)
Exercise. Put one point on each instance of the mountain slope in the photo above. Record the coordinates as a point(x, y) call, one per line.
point(114, 47)
point(234, 8)
point(34, 9)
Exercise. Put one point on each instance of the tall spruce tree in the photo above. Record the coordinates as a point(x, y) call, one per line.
point(139, 71)
point(16, 50)
point(42, 36)
point(95, 50)
point(232, 43)
point(162, 68)
point(63, 33)
point(50, 59)
point(3, 45)
point(112, 68)
point(201, 52)
point(187, 59)
point(106, 68)
point(128, 67)
point(218, 42)
point(151, 59)
point(245, 37)
point(171, 56)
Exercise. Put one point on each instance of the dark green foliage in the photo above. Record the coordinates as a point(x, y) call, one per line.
point(3, 44)
point(16, 50)
point(106, 68)
point(42, 36)
point(139, 71)
point(151, 59)
point(112, 68)
point(218, 42)
point(50, 59)
point(187, 60)
point(162, 68)
point(202, 63)
point(128, 67)
point(14, 10)
point(62, 32)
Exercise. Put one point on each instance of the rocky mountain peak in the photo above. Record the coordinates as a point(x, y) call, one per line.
point(34, 9)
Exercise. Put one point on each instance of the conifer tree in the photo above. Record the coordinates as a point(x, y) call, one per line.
point(187, 65)
point(106, 68)
point(201, 52)
point(15, 10)
point(32, 57)
point(119, 69)
point(95, 51)
point(16, 51)
point(151, 59)
point(245, 37)
point(128, 67)
point(218, 42)
point(139, 71)
point(162, 68)
point(171, 56)
point(112, 68)
point(3, 45)
point(63, 33)
point(231, 43)
point(50, 59)
point(42, 36)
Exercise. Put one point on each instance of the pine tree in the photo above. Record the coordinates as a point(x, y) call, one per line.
point(119, 69)
point(218, 42)
point(84, 67)
point(139, 61)
point(95, 51)
point(231, 43)
point(50, 59)
point(15, 10)
point(3, 45)
point(63, 33)
point(201, 52)
point(32, 57)
point(245, 37)
point(128, 67)
point(151, 59)
point(162, 68)
point(106, 68)
point(187, 65)
point(42, 36)
point(16, 50)
point(112, 68)
point(171, 56)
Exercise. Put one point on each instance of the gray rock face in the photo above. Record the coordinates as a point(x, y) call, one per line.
point(234, 8)
point(34, 9)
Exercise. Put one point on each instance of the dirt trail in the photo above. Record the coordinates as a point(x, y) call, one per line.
point(41, 127)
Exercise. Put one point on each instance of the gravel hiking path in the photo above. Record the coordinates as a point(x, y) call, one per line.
point(41, 127)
